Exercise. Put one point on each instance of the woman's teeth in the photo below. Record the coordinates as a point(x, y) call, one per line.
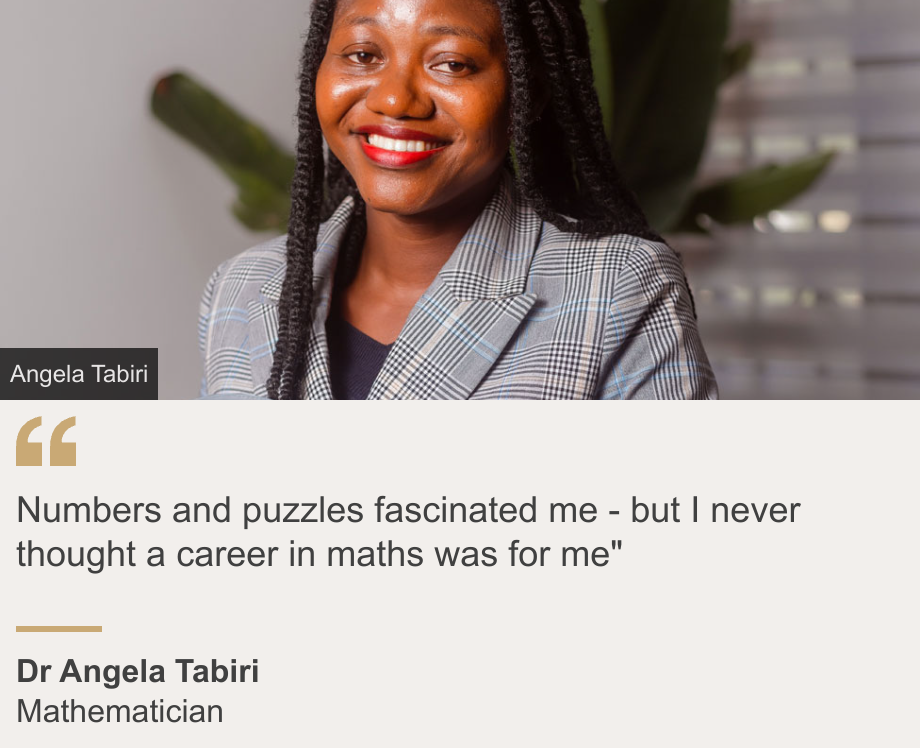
point(410, 146)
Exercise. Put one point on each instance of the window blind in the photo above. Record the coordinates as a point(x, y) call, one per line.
point(820, 299)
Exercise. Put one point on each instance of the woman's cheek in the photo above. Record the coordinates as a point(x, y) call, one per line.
point(344, 92)
point(492, 125)
point(335, 96)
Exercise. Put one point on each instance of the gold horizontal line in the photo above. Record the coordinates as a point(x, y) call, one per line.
point(59, 629)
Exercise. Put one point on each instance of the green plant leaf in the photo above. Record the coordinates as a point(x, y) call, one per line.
point(260, 205)
point(744, 197)
point(735, 60)
point(257, 220)
point(214, 127)
point(667, 61)
point(601, 59)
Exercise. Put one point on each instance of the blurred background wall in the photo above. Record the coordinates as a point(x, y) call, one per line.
point(822, 298)
point(111, 225)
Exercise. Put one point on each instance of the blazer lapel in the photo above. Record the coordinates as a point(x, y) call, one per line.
point(455, 332)
point(462, 323)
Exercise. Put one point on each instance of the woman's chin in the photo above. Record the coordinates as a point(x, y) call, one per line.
point(400, 204)
point(426, 195)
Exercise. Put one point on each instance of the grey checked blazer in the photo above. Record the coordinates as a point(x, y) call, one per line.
point(521, 310)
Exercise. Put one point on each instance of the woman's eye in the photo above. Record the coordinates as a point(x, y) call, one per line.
point(362, 58)
point(454, 67)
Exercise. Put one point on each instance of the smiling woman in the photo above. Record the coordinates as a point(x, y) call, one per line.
point(464, 235)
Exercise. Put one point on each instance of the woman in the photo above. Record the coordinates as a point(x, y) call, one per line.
point(466, 235)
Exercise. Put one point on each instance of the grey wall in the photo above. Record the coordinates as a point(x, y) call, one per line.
point(111, 225)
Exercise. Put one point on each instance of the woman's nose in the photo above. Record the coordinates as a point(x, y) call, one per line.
point(399, 93)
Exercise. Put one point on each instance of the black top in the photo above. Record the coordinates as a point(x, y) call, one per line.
point(355, 359)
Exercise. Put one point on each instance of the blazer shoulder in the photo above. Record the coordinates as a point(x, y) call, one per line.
point(230, 325)
point(601, 262)
point(241, 277)
point(234, 284)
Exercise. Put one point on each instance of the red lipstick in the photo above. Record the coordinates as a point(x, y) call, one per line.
point(396, 158)
point(393, 158)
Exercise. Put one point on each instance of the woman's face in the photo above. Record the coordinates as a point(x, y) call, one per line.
point(412, 97)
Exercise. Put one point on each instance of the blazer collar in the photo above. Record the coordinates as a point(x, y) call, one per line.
point(459, 326)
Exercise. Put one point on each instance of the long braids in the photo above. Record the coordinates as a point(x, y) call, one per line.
point(576, 187)
point(296, 305)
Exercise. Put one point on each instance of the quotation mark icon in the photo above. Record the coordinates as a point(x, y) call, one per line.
point(29, 454)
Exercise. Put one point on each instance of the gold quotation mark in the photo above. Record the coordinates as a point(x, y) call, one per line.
point(29, 454)
point(63, 454)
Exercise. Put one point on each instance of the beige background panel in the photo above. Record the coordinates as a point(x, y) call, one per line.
point(695, 634)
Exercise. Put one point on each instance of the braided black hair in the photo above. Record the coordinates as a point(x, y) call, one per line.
point(576, 187)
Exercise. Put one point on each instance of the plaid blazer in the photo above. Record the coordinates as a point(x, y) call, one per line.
point(521, 310)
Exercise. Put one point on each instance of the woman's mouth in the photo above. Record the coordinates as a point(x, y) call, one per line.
point(409, 146)
point(398, 152)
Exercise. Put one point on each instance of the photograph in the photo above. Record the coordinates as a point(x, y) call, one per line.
point(565, 199)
